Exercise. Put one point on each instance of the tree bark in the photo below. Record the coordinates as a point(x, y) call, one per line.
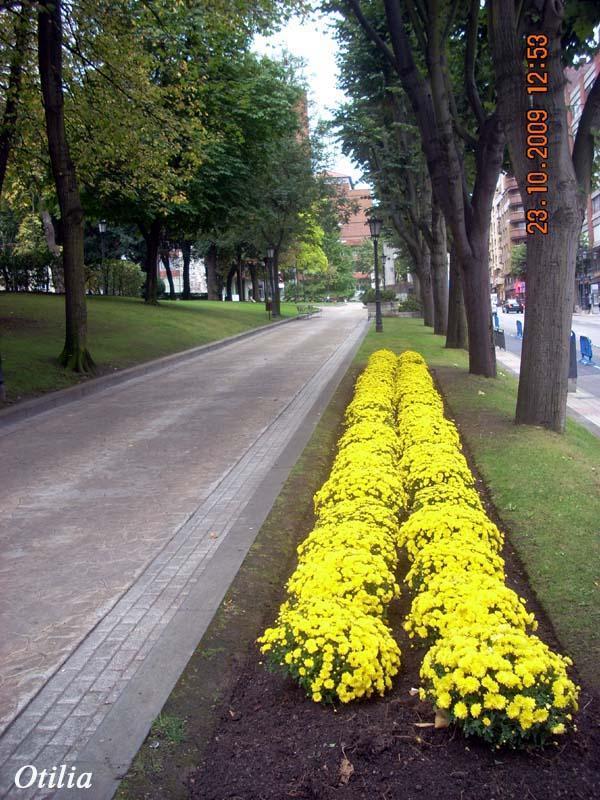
point(210, 263)
point(239, 279)
point(276, 309)
point(56, 270)
point(8, 125)
point(166, 260)
point(255, 287)
point(152, 236)
point(426, 287)
point(75, 354)
point(229, 283)
point(456, 335)
point(439, 271)
point(476, 291)
point(542, 395)
point(186, 252)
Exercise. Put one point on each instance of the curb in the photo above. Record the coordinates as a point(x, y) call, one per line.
point(38, 405)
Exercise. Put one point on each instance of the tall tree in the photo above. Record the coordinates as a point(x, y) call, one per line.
point(418, 35)
point(536, 33)
point(8, 124)
point(75, 354)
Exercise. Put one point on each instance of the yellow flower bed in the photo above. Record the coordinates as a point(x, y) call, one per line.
point(484, 668)
point(500, 683)
point(330, 635)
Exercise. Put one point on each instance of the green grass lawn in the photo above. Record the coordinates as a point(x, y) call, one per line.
point(546, 487)
point(123, 331)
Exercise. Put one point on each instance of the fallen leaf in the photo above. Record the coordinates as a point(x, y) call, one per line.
point(480, 392)
point(413, 692)
point(346, 771)
point(442, 719)
point(213, 535)
point(423, 724)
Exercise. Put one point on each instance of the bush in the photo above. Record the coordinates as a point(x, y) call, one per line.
point(385, 295)
point(410, 304)
point(121, 278)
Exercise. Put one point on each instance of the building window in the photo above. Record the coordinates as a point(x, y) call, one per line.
point(596, 204)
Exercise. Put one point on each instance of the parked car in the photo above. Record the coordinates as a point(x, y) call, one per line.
point(513, 305)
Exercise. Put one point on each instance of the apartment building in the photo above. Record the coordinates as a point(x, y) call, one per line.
point(507, 229)
point(579, 83)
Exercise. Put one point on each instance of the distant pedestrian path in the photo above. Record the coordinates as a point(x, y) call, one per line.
point(115, 505)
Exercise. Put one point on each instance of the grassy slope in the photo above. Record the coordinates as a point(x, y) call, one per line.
point(122, 332)
point(545, 487)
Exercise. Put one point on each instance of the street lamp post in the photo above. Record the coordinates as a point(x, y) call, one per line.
point(102, 230)
point(375, 225)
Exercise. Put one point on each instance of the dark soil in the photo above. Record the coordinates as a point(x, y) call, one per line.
point(273, 743)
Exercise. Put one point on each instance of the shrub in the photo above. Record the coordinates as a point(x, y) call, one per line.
point(410, 304)
point(333, 650)
point(499, 683)
point(385, 295)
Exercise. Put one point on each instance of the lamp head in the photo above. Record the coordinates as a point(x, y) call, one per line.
point(375, 225)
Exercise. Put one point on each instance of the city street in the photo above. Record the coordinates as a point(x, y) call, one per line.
point(588, 377)
point(583, 325)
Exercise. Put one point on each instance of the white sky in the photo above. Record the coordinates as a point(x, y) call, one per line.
point(313, 42)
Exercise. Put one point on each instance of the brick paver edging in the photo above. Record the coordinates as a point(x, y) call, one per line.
point(38, 405)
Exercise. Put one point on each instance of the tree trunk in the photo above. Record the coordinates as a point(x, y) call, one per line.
point(210, 263)
point(439, 271)
point(456, 335)
point(554, 216)
point(543, 381)
point(255, 287)
point(240, 286)
point(166, 260)
point(229, 284)
point(75, 354)
point(426, 287)
point(276, 309)
point(417, 285)
point(152, 236)
point(186, 252)
point(476, 291)
point(9, 120)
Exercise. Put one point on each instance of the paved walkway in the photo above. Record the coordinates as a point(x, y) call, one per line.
point(126, 516)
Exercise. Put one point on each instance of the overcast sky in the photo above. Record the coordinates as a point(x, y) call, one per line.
point(313, 42)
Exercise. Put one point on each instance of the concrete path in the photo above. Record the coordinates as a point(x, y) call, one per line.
point(126, 515)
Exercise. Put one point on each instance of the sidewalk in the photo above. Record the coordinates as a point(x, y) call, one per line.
point(581, 405)
point(128, 513)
